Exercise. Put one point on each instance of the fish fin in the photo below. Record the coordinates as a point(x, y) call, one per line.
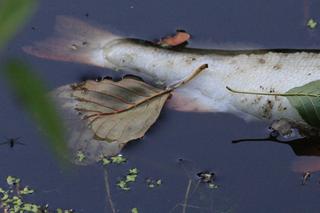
point(79, 136)
point(180, 38)
point(306, 164)
point(180, 102)
point(74, 40)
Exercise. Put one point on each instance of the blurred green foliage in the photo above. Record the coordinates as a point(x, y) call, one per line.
point(13, 15)
point(31, 91)
point(25, 84)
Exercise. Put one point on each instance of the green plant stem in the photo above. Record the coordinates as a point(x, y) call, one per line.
point(107, 186)
point(186, 196)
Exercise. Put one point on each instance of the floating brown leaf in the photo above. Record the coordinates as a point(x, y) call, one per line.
point(111, 112)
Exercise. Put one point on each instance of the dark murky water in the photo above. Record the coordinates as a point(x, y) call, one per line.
point(252, 177)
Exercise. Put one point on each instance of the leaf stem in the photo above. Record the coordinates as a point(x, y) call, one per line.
point(190, 77)
point(272, 94)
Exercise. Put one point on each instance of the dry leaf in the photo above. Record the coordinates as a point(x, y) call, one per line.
point(103, 116)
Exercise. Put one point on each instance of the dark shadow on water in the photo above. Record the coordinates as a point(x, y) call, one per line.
point(308, 146)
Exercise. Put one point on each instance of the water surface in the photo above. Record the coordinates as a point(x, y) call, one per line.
point(252, 177)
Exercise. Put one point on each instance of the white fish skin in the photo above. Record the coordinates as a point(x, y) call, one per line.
point(260, 72)
point(264, 71)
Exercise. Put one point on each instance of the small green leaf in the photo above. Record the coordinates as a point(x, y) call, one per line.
point(105, 161)
point(118, 159)
point(133, 171)
point(12, 180)
point(5, 194)
point(134, 210)
point(312, 23)
point(131, 178)
point(122, 184)
point(26, 190)
point(80, 156)
point(29, 207)
point(59, 210)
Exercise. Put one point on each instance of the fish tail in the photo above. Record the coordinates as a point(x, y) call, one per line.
point(74, 40)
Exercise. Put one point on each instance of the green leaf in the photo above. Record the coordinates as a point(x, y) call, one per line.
point(312, 23)
point(13, 15)
point(131, 178)
point(122, 184)
point(118, 159)
point(30, 207)
point(26, 190)
point(134, 210)
point(12, 180)
point(33, 96)
point(105, 161)
point(307, 102)
point(80, 156)
point(133, 171)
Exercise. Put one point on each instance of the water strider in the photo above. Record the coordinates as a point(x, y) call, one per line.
point(12, 142)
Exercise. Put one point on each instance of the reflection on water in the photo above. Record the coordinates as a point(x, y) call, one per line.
point(301, 146)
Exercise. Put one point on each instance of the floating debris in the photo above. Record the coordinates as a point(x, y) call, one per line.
point(134, 210)
point(12, 199)
point(305, 178)
point(130, 177)
point(80, 156)
point(312, 23)
point(208, 178)
point(119, 159)
point(12, 180)
point(153, 183)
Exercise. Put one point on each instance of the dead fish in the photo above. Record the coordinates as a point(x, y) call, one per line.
point(274, 71)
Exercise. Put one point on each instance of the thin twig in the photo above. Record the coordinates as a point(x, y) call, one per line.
point(107, 186)
point(186, 197)
point(272, 94)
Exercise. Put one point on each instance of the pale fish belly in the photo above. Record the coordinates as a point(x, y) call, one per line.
point(270, 72)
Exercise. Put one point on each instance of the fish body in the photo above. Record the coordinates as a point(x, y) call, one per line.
point(257, 71)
